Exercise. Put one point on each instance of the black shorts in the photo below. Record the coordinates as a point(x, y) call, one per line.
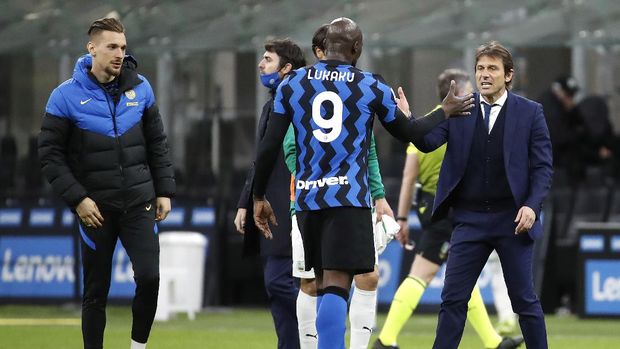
point(338, 238)
point(434, 241)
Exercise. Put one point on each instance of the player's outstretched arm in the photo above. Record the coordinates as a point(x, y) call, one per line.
point(414, 129)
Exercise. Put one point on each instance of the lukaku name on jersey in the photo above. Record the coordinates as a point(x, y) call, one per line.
point(330, 75)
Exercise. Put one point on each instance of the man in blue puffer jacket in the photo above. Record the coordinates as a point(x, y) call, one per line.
point(103, 149)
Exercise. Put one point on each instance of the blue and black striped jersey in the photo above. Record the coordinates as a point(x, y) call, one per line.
point(332, 106)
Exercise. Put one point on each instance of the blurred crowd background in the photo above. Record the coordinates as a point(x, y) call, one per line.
point(201, 57)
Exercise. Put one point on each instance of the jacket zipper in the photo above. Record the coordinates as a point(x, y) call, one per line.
point(118, 143)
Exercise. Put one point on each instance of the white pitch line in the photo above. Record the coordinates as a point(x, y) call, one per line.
point(40, 322)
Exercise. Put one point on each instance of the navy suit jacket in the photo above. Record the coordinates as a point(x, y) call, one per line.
point(527, 155)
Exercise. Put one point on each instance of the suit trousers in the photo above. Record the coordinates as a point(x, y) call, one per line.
point(475, 236)
point(282, 293)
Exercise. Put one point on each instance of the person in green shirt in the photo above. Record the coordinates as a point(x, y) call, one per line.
point(364, 300)
point(434, 242)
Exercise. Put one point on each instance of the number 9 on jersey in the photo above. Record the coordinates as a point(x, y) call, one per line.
point(334, 123)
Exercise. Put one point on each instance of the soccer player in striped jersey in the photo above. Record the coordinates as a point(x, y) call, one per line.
point(332, 195)
point(363, 307)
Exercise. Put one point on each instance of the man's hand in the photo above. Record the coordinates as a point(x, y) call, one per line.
point(455, 105)
point(240, 220)
point(382, 207)
point(525, 219)
point(89, 213)
point(263, 215)
point(403, 233)
point(163, 208)
point(402, 103)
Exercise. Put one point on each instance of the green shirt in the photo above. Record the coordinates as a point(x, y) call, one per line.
point(377, 191)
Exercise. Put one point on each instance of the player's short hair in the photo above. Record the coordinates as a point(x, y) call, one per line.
point(495, 49)
point(459, 76)
point(318, 39)
point(288, 51)
point(105, 24)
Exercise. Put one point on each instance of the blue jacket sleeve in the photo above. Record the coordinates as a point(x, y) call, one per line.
point(52, 149)
point(434, 139)
point(541, 162)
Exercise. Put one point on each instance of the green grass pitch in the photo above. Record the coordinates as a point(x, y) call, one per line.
point(33, 327)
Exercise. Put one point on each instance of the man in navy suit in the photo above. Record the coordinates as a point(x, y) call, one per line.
point(495, 175)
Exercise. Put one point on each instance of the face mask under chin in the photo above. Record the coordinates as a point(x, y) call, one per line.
point(270, 80)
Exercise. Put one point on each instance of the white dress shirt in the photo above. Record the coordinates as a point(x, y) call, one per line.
point(495, 108)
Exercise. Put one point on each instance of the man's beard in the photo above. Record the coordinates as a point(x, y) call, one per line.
point(112, 72)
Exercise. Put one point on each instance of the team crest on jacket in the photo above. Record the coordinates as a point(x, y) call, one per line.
point(130, 94)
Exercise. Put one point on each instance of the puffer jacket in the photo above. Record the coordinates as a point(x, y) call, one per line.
point(109, 147)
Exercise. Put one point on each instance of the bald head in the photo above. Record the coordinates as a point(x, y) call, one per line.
point(343, 40)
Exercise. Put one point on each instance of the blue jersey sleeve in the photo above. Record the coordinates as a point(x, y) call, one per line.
point(56, 104)
point(385, 103)
point(280, 100)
